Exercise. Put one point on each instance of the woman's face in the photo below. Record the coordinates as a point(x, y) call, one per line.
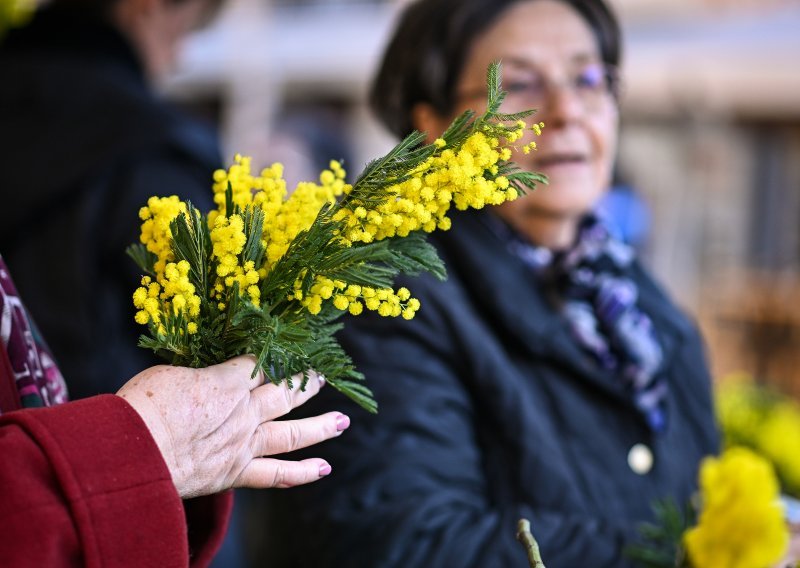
point(550, 61)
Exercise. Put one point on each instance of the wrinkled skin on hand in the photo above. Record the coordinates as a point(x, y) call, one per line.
point(216, 428)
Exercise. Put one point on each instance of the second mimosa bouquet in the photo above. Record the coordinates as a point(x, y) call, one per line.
point(736, 521)
point(269, 275)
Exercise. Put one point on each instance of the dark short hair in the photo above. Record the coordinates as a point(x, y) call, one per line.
point(427, 52)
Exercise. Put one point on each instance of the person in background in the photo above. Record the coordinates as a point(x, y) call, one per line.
point(136, 479)
point(549, 377)
point(85, 142)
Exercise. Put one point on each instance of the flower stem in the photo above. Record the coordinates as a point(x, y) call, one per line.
point(531, 546)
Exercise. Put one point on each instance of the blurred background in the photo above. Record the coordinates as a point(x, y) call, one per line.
point(708, 179)
point(707, 185)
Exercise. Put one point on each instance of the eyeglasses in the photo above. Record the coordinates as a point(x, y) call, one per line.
point(592, 84)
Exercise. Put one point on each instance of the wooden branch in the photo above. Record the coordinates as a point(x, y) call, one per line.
point(525, 536)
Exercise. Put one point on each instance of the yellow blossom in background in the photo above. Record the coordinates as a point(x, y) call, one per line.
point(778, 439)
point(738, 411)
point(764, 420)
point(15, 13)
point(741, 523)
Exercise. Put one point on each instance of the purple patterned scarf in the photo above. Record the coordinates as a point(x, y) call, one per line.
point(36, 376)
point(600, 305)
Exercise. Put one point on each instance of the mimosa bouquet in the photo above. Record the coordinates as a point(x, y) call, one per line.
point(739, 519)
point(736, 521)
point(743, 519)
point(269, 275)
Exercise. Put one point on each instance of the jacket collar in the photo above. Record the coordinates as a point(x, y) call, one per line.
point(504, 289)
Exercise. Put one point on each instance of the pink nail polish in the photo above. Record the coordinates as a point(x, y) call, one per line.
point(342, 422)
point(324, 469)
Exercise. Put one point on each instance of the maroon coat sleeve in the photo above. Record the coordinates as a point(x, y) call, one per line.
point(83, 483)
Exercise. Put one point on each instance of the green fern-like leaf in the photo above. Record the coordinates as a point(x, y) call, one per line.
point(414, 254)
point(192, 243)
point(661, 541)
point(391, 169)
point(460, 129)
point(143, 258)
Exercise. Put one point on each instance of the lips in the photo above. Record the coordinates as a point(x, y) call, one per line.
point(560, 159)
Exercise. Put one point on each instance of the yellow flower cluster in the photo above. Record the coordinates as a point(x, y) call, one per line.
point(228, 239)
point(267, 190)
point(283, 218)
point(741, 523)
point(738, 408)
point(537, 129)
point(156, 234)
point(778, 441)
point(172, 292)
point(179, 290)
point(465, 178)
point(299, 211)
point(765, 421)
point(175, 294)
point(145, 298)
point(354, 298)
point(468, 176)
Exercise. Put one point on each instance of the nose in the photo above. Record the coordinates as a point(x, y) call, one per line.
point(563, 105)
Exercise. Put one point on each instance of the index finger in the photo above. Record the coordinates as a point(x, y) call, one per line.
point(274, 400)
point(241, 368)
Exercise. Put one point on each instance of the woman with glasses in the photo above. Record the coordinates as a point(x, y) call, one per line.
point(549, 377)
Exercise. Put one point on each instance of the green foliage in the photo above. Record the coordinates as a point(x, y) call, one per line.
point(192, 242)
point(143, 258)
point(369, 189)
point(661, 541)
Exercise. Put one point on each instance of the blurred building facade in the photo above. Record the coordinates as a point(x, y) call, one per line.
point(710, 139)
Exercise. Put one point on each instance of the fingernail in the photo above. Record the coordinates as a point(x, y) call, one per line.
point(321, 380)
point(324, 469)
point(342, 422)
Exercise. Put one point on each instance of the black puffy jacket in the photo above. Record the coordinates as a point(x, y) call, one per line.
point(489, 411)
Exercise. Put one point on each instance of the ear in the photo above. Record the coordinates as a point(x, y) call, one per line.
point(426, 119)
